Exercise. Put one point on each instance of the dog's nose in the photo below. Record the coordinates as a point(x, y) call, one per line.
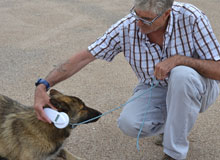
point(92, 113)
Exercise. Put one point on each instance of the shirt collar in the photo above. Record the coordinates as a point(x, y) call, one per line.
point(169, 28)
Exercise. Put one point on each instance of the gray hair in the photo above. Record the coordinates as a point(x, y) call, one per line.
point(156, 6)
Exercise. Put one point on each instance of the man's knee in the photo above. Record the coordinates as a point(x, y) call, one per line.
point(186, 83)
point(182, 74)
point(128, 126)
point(131, 127)
point(184, 78)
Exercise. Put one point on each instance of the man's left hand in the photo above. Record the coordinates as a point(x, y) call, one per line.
point(163, 68)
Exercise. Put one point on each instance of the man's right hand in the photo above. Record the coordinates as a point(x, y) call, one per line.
point(42, 99)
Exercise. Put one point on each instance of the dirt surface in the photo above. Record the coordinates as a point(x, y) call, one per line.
point(35, 36)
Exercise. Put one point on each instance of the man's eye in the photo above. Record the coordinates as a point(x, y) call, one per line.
point(148, 19)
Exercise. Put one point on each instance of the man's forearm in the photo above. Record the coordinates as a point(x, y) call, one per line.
point(69, 67)
point(207, 68)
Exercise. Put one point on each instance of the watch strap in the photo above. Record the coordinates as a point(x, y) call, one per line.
point(43, 81)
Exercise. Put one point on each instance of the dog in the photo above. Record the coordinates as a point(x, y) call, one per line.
point(24, 137)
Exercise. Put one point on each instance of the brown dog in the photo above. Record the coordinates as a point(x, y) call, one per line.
point(24, 137)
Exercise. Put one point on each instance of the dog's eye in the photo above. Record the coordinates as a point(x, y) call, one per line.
point(54, 102)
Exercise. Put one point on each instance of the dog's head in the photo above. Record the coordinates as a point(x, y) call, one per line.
point(73, 106)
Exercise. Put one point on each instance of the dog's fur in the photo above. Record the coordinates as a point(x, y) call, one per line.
point(24, 137)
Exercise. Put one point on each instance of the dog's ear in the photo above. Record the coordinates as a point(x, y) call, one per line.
point(54, 92)
point(59, 105)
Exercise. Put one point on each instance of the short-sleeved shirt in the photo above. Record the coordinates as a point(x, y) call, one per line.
point(188, 33)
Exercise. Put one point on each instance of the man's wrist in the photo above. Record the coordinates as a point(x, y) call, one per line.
point(44, 83)
point(178, 59)
point(41, 87)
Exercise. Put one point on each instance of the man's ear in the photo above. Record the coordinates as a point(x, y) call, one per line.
point(167, 13)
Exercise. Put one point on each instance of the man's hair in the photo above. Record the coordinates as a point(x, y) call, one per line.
point(156, 6)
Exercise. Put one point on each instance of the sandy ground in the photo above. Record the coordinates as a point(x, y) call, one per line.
point(35, 36)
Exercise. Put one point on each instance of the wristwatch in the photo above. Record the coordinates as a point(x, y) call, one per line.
point(43, 81)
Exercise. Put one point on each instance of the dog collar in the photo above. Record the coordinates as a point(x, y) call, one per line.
point(72, 126)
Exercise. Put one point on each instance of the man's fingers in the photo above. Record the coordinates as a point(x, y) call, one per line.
point(41, 115)
point(42, 99)
point(44, 116)
point(160, 73)
point(51, 106)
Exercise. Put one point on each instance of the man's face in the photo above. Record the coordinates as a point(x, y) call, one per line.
point(158, 21)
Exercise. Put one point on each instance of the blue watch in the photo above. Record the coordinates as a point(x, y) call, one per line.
point(43, 81)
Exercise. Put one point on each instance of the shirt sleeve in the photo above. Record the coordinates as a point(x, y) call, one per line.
point(206, 44)
point(107, 46)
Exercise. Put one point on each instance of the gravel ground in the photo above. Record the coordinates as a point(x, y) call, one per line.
point(35, 36)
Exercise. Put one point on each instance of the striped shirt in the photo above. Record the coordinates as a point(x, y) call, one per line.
point(188, 33)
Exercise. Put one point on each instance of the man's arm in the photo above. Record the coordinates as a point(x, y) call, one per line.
point(60, 73)
point(69, 67)
point(206, 46)
point(207, 68)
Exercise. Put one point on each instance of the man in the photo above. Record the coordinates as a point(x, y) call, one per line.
point(171, 41)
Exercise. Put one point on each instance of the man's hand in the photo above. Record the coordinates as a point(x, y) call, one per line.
point(163, 68)
point(75, 63)
point(40, 100)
